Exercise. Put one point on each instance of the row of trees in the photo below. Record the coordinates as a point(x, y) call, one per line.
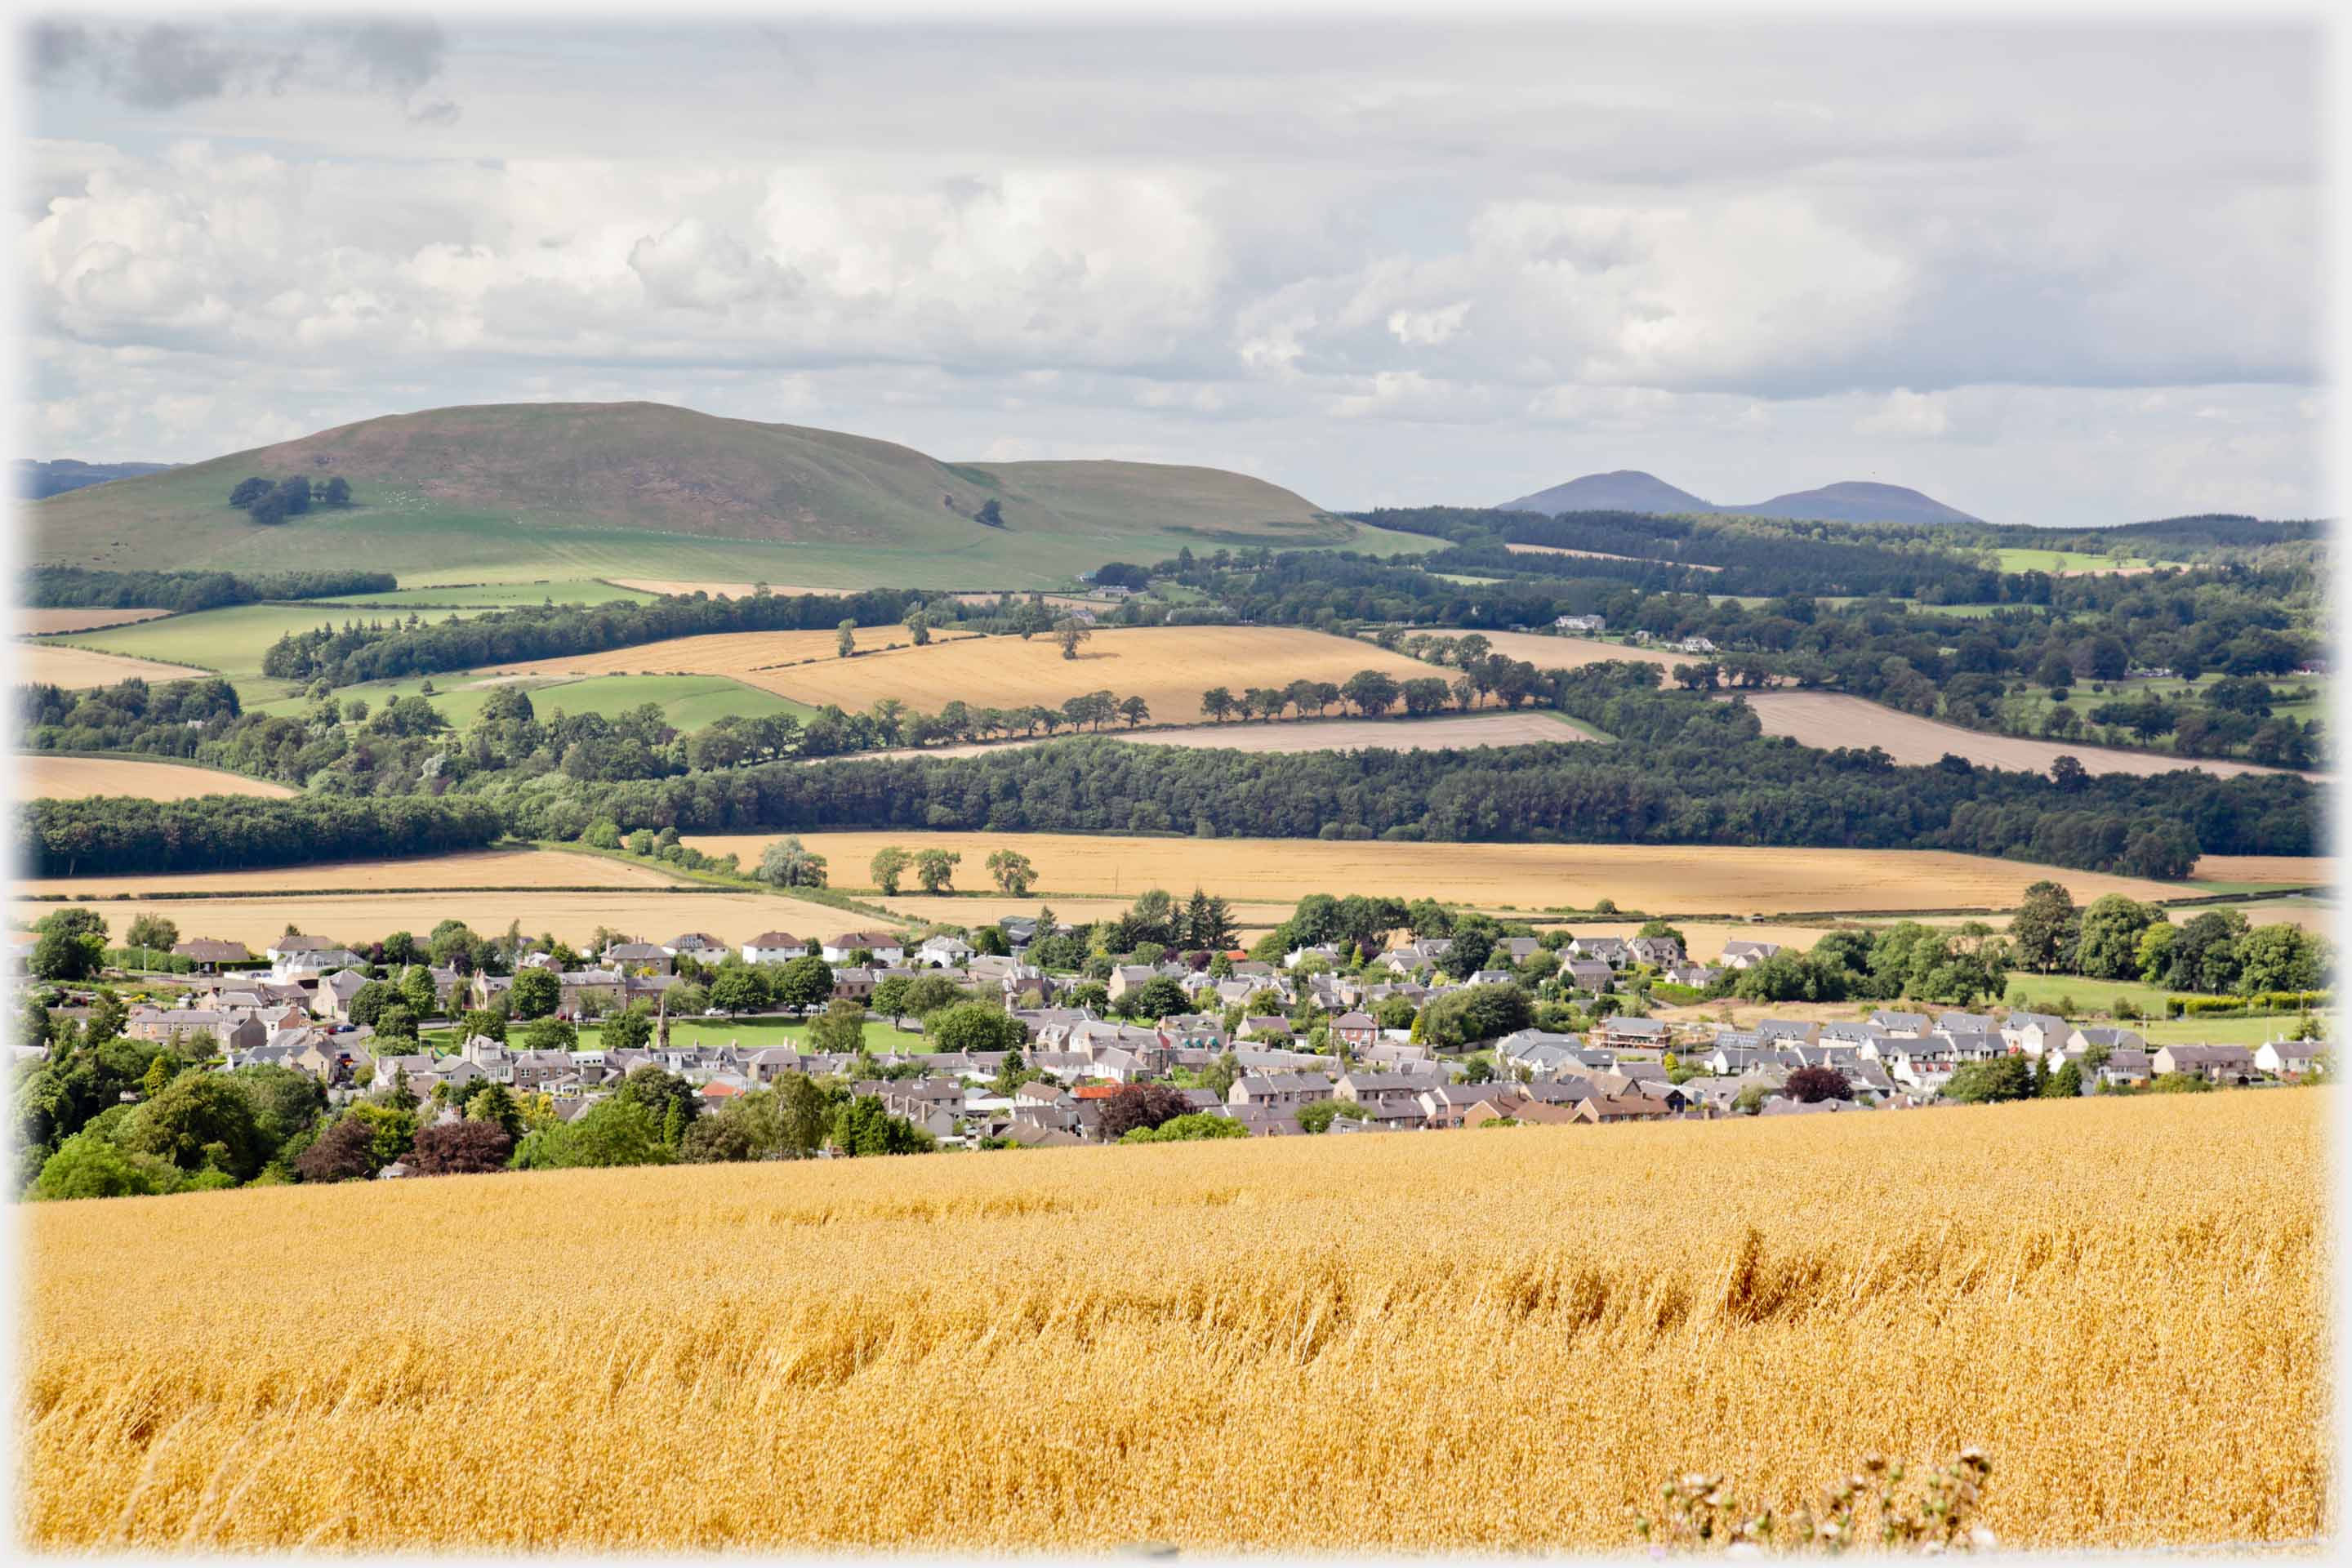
point(77, 587)
point(2212, 950)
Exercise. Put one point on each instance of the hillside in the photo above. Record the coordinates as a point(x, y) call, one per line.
point(1856, 501)
point(1626, 489)
point(510, 491)
point(35, 480)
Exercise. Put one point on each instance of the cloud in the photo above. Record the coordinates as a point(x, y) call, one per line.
point(167, 65)
point(1902, 411)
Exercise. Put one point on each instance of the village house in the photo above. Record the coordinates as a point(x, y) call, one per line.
point(208, 953)
point(883, 947)
point(1582, 626)
point(774, 947)
point(2215, 1064)
point(698, 945)
point(638, 957)
point(2032, 1034)
point(2292, 1058)
point(1740, 955)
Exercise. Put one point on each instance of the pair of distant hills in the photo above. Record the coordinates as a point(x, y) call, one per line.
point(1851, 500)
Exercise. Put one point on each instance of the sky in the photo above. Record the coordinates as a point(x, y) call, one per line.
point(2049, 275)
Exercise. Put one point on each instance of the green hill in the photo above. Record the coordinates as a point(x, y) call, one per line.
point(507, 491)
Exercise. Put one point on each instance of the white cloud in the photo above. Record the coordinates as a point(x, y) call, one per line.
point(1904, 412)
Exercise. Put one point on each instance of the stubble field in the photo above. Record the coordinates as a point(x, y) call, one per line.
point(1831, 719)
point(88, 617)
point(1705, 880)
point(1492, 1341)
point(1458, 731)
point(78, 669)
point(52, 777)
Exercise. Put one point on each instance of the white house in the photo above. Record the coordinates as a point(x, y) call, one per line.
point(2292, 1058)
point(888, 947)
point(774, 947)
point(944, 952)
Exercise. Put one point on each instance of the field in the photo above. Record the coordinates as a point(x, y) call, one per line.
point(665, 587)
point(1830, 719)
point(1504, 1340)
point(646, 912)
point(75, 669)
point(71, 778)
point(1460, 731)
point(508, 596)
point(686, 701)
point(1604, 555)
point(1167, 667)
point(1548, 652)
point(506, 867)
point(1698, 880)
point(758, 1034)
point(2073, 564)
point(230, 640)
point(38, 623)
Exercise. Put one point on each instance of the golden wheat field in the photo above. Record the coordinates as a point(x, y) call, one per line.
point(1504, 1338)
point(89, 618)
point(75, 669)
point(1548, 652)
point(52, 777)
point(1694, 879)
point(1834, 719)
point(504, 868)
point(644, 913)
point(2300, 870)
point(1168, 667)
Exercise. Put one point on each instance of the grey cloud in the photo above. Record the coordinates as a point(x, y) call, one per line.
point(165, 66)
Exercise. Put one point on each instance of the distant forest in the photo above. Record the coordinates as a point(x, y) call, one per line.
point(77, 588)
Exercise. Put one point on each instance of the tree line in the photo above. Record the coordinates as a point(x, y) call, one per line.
point(113, 835)
point(267, 501)
point(79, 587)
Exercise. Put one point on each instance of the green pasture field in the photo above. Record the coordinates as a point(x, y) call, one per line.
point(230, 640)
point(2069, 560)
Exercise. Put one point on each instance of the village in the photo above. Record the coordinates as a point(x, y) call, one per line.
point(1273, 1047)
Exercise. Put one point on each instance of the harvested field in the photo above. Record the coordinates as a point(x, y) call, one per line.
point(2309, 870)
point(1694, 878)
point(1604, 555)
point(1831, 719)
point(1468, 730)
point(1167, 667)
point(757, 658)
point(472, 869)
point(43, 777)
point(1546, 652)
point(88, 617)
point(647, 912)
point(972, 910)
point(76, 669)
point(1173, 1343)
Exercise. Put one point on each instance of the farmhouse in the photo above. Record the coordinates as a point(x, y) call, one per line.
point(774, 947)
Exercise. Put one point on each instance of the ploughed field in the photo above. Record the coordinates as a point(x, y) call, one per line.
point(1168, 667)
point(1501, 1340)
point(49, 776)
point(1831, 719)
point(1692, 878)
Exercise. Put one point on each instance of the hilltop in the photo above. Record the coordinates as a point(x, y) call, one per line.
point(59, 475)
point(1848, 501)
point(524, 490)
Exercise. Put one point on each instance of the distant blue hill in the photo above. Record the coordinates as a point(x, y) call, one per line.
point(1850, 501)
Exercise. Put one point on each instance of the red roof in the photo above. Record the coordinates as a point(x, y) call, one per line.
point(719, 1090)
point(1095, 1090)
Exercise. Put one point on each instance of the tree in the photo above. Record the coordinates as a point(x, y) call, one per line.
point(463, 1147)
point(804, 1114)
point(338, 491)
point(1476, 1013)
point(1217, 704)
point(801, 983)
point(737, 990)
point(616, 1131)
point(1070, 632)
point(918, 629)
point(862, 1127)
point(839, 1030)
point(87, 1165)
point(847, 643)
point(1156, 998)
point(2108, 946)
point(60, 957)
point(2066, 1083)
point(1139, 1105)
point(418, 993)
point(1810, 1086)
point(1135, 710)
point(151, 932)
point(550, 1034)
point(248, 491)
point(495, 1103)
point(2280, 957)
point(200, 1121)
point(345, 1151)
point(889, 863)
point(1188, 1127)
point(2045, 928)
point(935, 868)
point(990, 513)
point(1986, 1083)
point(789, 863)
point(534, 994)
point(973, 1026)
point(1372, 693)
point(671, 1102)
point(1012, 872)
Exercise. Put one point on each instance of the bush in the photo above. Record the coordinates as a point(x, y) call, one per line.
point(86, 1166)
point(1188, 1127)
point(459, 1149)
point(1139, 1105)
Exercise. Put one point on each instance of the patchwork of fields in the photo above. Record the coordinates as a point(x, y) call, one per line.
point(52, 777)
point(88, 617)
point(1533, 877)
point(1171, 1345)
point(77, 668)
point(1169, 667)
